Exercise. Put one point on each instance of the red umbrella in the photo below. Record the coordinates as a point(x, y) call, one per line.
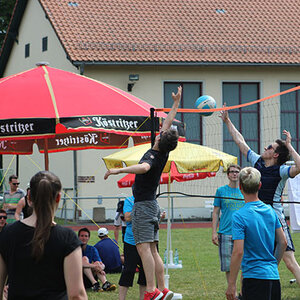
point(69, 112)
point(128, 180)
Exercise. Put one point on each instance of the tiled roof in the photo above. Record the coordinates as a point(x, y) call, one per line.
point(178, 31)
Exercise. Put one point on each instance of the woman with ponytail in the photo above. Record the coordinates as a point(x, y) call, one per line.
point(41, 259)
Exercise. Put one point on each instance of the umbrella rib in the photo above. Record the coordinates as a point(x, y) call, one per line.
point(48, 81)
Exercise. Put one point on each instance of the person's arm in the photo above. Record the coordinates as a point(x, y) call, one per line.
point(295, 170)
point(172, 113)
point(236, 259)
point(281, 244)
point(236, 135)
point(127, 216)
point(3, 276)
point(134, 169)
point(215, 221)
point(20, 206)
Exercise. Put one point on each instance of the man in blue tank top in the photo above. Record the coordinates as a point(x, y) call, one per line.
point(273, 177)
point(255, 231)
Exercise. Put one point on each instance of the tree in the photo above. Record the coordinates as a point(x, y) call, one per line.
point(6, 8)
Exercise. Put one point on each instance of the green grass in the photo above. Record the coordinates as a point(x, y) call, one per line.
point(200, 278)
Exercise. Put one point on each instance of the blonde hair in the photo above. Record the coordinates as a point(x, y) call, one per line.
point(249, 180)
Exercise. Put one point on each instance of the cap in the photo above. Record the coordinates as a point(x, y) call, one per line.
point(102, 231)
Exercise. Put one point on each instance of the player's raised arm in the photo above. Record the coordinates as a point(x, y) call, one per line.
point(236, 135)
point(134, 169)
point(295, 170)
point(171, 115)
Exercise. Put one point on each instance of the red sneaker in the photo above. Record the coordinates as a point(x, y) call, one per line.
point(167, 294)
point(156, 295)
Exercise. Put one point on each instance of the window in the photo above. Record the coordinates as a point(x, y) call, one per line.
point(290, 113)
point(44, 43)
point(190, 92)
point(27, 50)
point(245, 119)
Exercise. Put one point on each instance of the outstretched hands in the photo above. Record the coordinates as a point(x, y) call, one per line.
point(288, 138)
point(224, 114)
point(177, 97)
point(111, 172)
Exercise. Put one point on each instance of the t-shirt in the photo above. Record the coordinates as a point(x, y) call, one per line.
point(27, 278)
point(145, 185)
point(228, 206)
point(255, 223)
point(12, 199)
point(91, 253)
point(273, 179)
point(128, 204)
point(109, 252)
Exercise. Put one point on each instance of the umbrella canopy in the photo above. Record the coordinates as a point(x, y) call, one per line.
point(45, 101)
point(128, 180)
point(188, 158)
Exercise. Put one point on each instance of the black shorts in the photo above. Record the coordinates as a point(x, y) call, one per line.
point(132, 260)
point(261, 289)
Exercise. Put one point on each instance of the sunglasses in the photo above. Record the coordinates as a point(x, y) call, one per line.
point(3, 217)
point(270, 147)
point(16, 183)
point(235, 172)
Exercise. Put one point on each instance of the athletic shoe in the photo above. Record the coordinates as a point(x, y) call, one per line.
point(168, 295)
point(107, 286)
point(156, 295)
point(96, 287)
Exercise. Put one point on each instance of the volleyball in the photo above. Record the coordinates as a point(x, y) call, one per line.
point(205, 102)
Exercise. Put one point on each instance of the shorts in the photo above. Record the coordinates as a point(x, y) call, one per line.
point(286, 230)
point(145, 221)
point(225, 251)
point(261, 289)
point(118, 220)
point(132, 260)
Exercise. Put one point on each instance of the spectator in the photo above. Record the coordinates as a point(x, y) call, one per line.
point(132, 259)
point(93, 267)
point(12, 197)
point(119, 220)
point(23, 208)
point(3, 218)
point(109, 252)
point(41, 259)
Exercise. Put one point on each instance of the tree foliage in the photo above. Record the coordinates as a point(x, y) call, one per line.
point(6, 8)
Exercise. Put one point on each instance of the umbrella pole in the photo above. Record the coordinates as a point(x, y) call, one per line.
point(46, 155)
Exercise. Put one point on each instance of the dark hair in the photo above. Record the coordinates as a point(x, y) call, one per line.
point(44, 188)
point(2, 211)
point(168, 141)
point(233, 166)
point(85, 230)
point(11, 177)
point(283, 152)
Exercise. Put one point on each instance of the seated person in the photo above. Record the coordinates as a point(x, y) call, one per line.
point(108, 250)
point(93, 268)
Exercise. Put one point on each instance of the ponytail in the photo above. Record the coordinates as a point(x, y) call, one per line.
point(44, 188)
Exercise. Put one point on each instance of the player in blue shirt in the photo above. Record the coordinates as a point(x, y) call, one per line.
point(273, 178)
point(223, 239)
point(255, 231)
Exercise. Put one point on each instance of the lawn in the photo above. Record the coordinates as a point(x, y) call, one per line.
point(200, 278)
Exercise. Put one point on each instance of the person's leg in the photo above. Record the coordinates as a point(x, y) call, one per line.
point(142, 289)
point(258, 289)
point(116, 233)
point(291, 263)
point(89, 274)
point(144, 251)
point(159, 267)
point(276, 290)
point(123, 292)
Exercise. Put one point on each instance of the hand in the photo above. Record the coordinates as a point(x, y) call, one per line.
point(215, 239)
point(177, 97)
point(224, 114)
point(288, 139)
point(231, 292)
point(111, 172)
